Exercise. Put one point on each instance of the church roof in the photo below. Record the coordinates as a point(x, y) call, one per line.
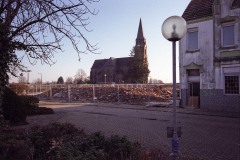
point(99, 63)
point(120, 62)
point(197, 9)
point(140, 31)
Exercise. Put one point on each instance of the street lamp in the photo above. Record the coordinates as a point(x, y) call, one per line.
point(28, 76)
point(105, 75)
point(173, 29)
point(41, 82)
point(41, 77)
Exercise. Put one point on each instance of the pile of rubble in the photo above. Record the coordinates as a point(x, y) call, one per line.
point(115, 94)
point(142, 95)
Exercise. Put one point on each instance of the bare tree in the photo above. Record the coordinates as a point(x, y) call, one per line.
point(22, 79)
point(37, 81)
point(37, 27)
point(80, 77)
point(69, 80)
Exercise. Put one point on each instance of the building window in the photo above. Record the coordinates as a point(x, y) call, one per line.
point(193, 72)
point(228, 35)
point(231, 84)
point(193, 39)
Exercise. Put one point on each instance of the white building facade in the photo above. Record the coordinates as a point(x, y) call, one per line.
point(209, 55)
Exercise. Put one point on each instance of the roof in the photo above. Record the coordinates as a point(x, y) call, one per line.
point(140, 31)
point(120, 62)
point(236, 4)
point(99, 63)
point(197, 9)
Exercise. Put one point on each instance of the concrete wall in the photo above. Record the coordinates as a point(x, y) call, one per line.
point(216, 100)
point(183, 97)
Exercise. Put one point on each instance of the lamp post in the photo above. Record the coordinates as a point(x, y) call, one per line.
point(173, 29)
point(105, 75)
point(41, 77)
point(28, 76)
point(41, 82)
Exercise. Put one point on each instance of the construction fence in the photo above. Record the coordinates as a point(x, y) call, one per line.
point(126, 93)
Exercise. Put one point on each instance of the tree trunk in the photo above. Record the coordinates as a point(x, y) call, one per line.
point(4, 61)
point(2, 82)
point(3, 73)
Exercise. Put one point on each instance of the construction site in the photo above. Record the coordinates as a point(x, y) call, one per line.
point(108, 93)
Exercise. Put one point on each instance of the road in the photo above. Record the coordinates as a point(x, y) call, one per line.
point(205, 137)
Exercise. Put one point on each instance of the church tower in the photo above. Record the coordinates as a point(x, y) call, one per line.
point(138, 69)
point(141, 41)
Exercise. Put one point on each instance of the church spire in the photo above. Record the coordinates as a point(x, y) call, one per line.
point(140, 40)
point(140, 31)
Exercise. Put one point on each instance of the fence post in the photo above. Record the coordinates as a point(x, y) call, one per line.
point(69, 92)
point(93, 93)
point(50, 92)
point(118, 94)
point(148, 93)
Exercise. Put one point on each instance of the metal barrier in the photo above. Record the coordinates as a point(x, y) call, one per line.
point(129, 93)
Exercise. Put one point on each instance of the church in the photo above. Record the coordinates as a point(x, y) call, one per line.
point(115, 70)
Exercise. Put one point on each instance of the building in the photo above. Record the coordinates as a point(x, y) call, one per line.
point(115, 70)
point(209, 55)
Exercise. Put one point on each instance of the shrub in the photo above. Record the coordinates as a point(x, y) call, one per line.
point(121, 148)
point(12, 143)
point(31, 100)
point(19, 88)
point(31, 106)
point(13, 108)
point(89, 148)
point(3, 123)
point(30, 103)
point(45, 140)
point(96, 146)
point(64, 141)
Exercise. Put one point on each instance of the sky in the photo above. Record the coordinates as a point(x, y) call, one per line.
point(114, 30)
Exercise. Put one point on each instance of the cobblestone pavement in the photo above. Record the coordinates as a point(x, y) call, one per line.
point(206, 136)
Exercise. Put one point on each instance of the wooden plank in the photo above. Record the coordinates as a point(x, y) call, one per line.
point(193, 101)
